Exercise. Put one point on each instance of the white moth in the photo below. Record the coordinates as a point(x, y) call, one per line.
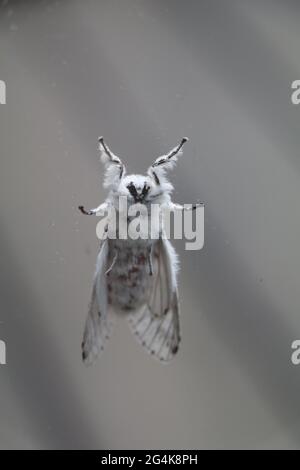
point(136, 278)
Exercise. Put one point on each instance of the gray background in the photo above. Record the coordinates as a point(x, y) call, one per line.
point(144, 73)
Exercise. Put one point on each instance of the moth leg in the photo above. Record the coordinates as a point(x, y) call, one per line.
point(112, 264)
point(191, 207)
point(85, 212)
point(102, 207)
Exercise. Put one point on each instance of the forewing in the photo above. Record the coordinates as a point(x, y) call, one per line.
point(99, 321)
point(156, 323)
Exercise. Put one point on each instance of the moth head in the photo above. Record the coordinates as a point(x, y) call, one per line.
point(159, 168)
point(137, 188)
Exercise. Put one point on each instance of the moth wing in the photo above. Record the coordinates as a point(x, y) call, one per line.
point(156, 323)
point(99, 321)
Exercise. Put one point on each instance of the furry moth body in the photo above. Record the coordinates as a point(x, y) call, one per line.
point(136, 278)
